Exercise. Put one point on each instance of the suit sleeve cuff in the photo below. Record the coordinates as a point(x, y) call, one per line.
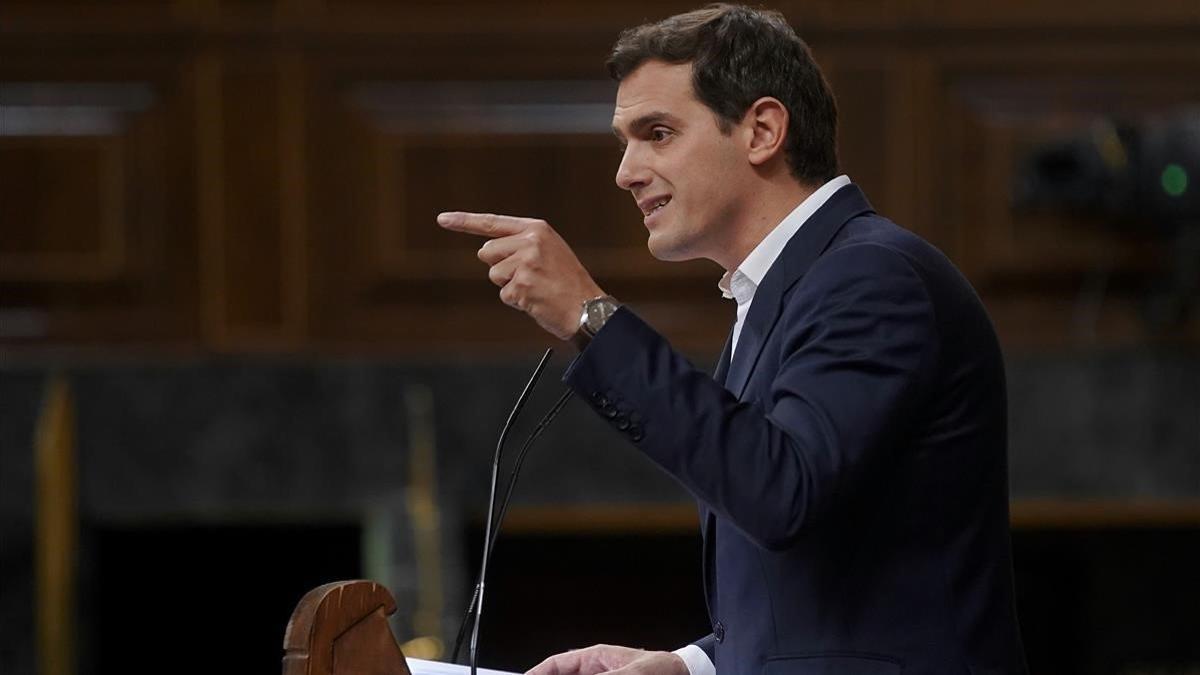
point(696, 660)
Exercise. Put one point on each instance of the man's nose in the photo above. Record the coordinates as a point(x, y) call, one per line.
point(632, 173)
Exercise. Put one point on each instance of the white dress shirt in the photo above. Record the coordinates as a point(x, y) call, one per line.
point(740, 284)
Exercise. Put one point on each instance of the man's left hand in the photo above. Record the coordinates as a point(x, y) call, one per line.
point(611, 660)
point(536, 270)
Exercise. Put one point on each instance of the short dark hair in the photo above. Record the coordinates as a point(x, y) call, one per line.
point(738, 55)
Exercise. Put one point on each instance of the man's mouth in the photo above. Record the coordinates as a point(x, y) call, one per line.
point(652, 206)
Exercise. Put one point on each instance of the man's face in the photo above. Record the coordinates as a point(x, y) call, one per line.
point(688, 178)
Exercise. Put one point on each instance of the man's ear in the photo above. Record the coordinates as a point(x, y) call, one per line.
point(767, 122)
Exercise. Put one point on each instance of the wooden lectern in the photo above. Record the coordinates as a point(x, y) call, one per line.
point(342, 629)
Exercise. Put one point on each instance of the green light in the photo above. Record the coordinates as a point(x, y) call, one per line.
point(1174, 180)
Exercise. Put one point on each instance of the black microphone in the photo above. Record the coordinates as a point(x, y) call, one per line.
point(512, 483)
point(492, 527)
point(512, 476)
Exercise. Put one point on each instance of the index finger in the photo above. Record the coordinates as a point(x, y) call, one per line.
point(483, 224)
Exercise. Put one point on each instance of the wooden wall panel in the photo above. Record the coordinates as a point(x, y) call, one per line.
point(1041, 15)
point(574, 19)
point(263, 174)
point(252, 148)
point(95, 230)
point(362, 18)
point(856, 15)
point(875, 149)
point(395, 152)
point(47, 238)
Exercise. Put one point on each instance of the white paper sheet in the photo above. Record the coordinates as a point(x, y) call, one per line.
point(423, 667)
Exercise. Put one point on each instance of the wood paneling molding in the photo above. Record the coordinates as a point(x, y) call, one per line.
point(45, 238)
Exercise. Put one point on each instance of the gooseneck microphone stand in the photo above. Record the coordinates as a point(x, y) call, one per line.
point(492, 526)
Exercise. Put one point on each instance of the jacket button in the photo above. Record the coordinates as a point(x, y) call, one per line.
point(622, 422)
point(635, 433)
point(599, 399)
point(719, 631)
point(610, 412)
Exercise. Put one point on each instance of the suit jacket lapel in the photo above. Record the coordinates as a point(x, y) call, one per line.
point(719, 376)
point(809, 242)
point(804, 248)
point(723, 363)
point(708, 530)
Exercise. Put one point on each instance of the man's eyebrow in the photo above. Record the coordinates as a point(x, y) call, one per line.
point(637, 126)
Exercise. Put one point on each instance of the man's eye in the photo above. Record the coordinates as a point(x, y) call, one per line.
point(660, 134)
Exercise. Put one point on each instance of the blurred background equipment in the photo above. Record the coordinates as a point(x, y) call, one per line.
point(1131, 174)
point(1133, 177)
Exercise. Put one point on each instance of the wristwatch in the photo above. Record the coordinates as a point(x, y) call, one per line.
point(595, 313)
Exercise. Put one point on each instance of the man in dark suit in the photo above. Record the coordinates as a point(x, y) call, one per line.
point(850, 457)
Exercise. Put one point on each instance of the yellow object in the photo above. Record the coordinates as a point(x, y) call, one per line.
point(56, 530)
point(427, 527)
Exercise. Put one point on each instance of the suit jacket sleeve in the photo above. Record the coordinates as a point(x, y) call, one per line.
point(855, 338)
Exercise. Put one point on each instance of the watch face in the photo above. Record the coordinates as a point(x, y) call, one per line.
point(598, 312)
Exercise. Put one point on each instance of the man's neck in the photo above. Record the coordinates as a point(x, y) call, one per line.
point(767, 213)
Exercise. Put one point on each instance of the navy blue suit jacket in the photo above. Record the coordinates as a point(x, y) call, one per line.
point(850, 463)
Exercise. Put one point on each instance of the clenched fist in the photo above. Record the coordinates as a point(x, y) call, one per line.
point(536, 270)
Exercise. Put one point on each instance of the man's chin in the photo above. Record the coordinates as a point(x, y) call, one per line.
point(667, 251)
